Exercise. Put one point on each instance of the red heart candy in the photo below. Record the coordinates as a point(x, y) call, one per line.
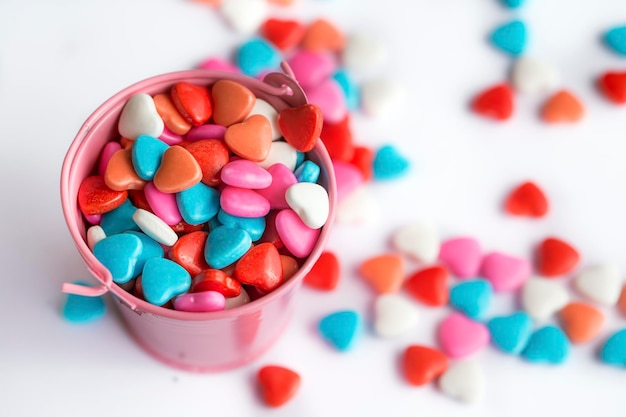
point(555, 257)
point(562, 107)
point(422, 364)
point(211, 155)
point(216, 280)
point(193, 102)
point(184, 227)
point(94, 197)
point(429, 285)
point(138, 198)
point(337, 138)
point(277, 384)
point(613, 86)
point(284, 34)
point(527, 200)
point(188, 252)
point(363, 159)
point(261, 267)
point(301, 126)
point(324, 275)
point(496, 102)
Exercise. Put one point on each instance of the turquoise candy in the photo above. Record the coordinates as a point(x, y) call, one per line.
point(257, 55)
point(547, 345)
point(472, 297)
point(350, 89)
point(616, 39)
point(119, 254)
point(389, 164)
point(513, 4)
point(255, 226)
point(341, 329)
point(511, 333)
point(308, 171)
point(163, 280)
point(613, 352)
point(146, 155)
point(119, 220)
point(83, 309)
point(226, 245)
point(150, 249)
point(510, 38)
point(299, 158)
point(198, 204)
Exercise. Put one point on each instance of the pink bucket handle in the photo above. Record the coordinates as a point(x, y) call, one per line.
point(76, 289)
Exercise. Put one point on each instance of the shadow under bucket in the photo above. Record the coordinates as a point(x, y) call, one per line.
point(201, 342)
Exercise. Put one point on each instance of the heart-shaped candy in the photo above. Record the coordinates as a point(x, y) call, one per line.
point(178, 171)
point(153, 226)
point(581, 322)
point(211, 155)
point(341, 329)
point(337, 138)
point(462, 255)
point(495, 102)
point(322, 35)
point(308, 171)
point(255, 226)
point(541, 298)
point(201, 302)
point(163, 280)
point(244, 16)
point(95, 197)
point(198, 203)
point(188, 252)
point(329, 97)
point(460, 336)
point(429, 285)
point(324, 275)
point(140, 117)
point(298, 238)
point(245, 174)
point(464, 381)
point(615, 39)
point(290, 266)
point(243, 202)
point(260, 267)
point(547, 345)
point(105, 156)
point(422, 364)
point(505, 272)
point(193, 102)
point(563, 106)
point(241, 299)
point(162, 204)
point(173, 120)
point(119, 220)
point(226, 245)
point(311, 68)
point(282, 179)
point(278, 384)
point(265, 109)
point(216, 280)
point(419, 240)
point(389, 163)
point(120, 173)
point(358, 207)
point(472, 297)
point(350, 88)
point(526, 199)
point(394, 315)
point(119, 254)
point(280, 153)
point(257, 55)
point(284, 33)
point(232, 102)
point(301, 126)
point(310, 201)
point(146, 155)
point(150, 248)
point(613, 85)
point(384, 273)
point(600, 283)
point(250, 139)
point(83, 309)
point(347, 177)
point(94, 235)
point(363, 53)
point(511, 333)
point(613, 351)
point(555, 257)
point(531, 75)
point(510, 38)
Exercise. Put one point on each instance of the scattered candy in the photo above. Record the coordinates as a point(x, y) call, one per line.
point(621, 303)
point(541, 298)
point(418, 240)
point(389, 163)
point(257, 55)
point(562, 107)
point(461, 336)
point(362, 53)
point(384, 273)
point(381, 97)
point(359, 207)
point(581, 322)
point(510, 38)
point(244, 16)
point(527, 199)
point(472, 297)
point(83, 309)
point(429, 285)
point(462, 256)
point(613, 85)
point(423, 364)
point(601, 283)
point(324, 275)
point(463, 381)
point(547, 345)
point(615, 39)
point(613, 351)
point(278, 384)
point(505, 272)
point(395, 315)
point(511, 333)
point(341, 329)
point(530, 76)
point(495, 102)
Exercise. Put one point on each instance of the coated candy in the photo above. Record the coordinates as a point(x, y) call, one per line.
point(119, 220)
point(203, 302)
point(206, 131)
point(198, 203)
point(341, 329)
point(461, 336)
point(154, 227)
point(260, 267)
point(83, 309)
point(283, 33)
point(363, 53)
point(419, 240)
point(324, 275)
point(193, 102)
point(527, 199)
point(308, 171)
point(510, 38)
point(531, 75)
point(245, 174)
point(298, 238)
point(429, 285)
point(119, 254)
point(423, 364)
point(348, 178)
point(140, 117)
point(280, 153)
point(188, 252)
point(216, 280)
point(323, 35)
point(621, 303)
point(613, 85)
point(226, 245)
point(150, 248)
point(472, 297)
point(337, 138)
point(120, 173)
point(250, 139)
point(513, 4)
point(601, 283)
point(173, 120)
point(232, 102)
point(359, 207)
point(350, 89)
point(162, 280)
point(394, 315)
point(265, 109)
point(211, 155)
point(463, 381)
point(542, 298)
point(329, 97)
point(243, 202)
point(257, 55)
point(613, 351)
point(278, 384)
point(178, 171)
point(242, 299)
point(301, 126)
point(581, 322)
point(384, 273)
point(310, 202)
point(505, 272)
point(547, 345)
point(615, 39)
point(389, 163)
point(382, 97)
point(495, 102)
point(563, 106)
point(289, 265)
point(555, 257)
point(244, 16)
point(311, 68)
point(165, 205)
point(94, 235)
point(462, 256)
point(95, 197)
point(511, 333)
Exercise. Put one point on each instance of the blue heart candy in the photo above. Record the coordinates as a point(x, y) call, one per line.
point(119, 220)
point(350, 89)
point(150, 249)
point(308, 171)
point(257, 55)
point(613, 352)
point(511, 37)
point(163, 280)
point(341, 329)
point(616, 39)
point(472, 297)
point(119, 254)
point(226, 245)
point(255, 226)
point(147, 154)
point(389, 163)
point(82, 309)
point(511, 333)
point(198, 204)
point(513, 4)
point(548, 345)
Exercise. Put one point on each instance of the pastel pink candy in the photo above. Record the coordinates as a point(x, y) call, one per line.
point(217, 64)
point(245, 174)
point(462, 256)
point(163, 205)
point(170, 137)
point(204, 301)
point(348, 178)
point(205, 132)
point(93, 218)
point(505, 272)
point(330, 98)
point(105, 156)
point(282, 179)
point(243, 202)
point(298, 238)
point(311, 68)
point(460, 336)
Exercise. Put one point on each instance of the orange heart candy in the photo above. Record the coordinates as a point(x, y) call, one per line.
point(385, 273)
point(177, 172)
point(250, 139)
point(232, 102)
point(120, 174)
point(171, 117)
point(322, 35)
point(562, 107)
point(581, 321)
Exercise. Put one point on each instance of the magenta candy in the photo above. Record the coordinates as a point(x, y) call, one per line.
point(93, 218)
point(217, 64)
point(330, 98)
point(163, 204)
point(106, 154)
point(170, 137)
point(298, 238)
point(245, 174)
point(206, 132)
point(204, 301)
point(348, 178)
point(311, 68)
point(282, 178)
point(243, 202)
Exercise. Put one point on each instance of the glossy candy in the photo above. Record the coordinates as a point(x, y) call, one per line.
point(193, 102)
point(198, 203)
point(329, 98)
point(164, 205)
point(226, 245)
point(255, 226)
point(83, 309)
point(204, 301)
point(243, 202)
point(260, 267)
point(95, 197)
point(178, 171)
point(250, 139)
point(280, 153)
point(120, 173)
point(245, 174)
point(297, 237)
point(337, 138)
point(140, 117)
point(232, 102)
point(310, 201)
point(154, 227)
point(301, 126)
point(216, 280)
point(162, 280)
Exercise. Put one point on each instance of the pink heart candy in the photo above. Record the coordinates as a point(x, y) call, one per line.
point(310, 68)
point(203, 301)
point(505, 272)
point(330, 98)
point(170, 137)
point(462, 256)
point(460, 336)
point(106, 154)
point(163, 204)
point(282, 178)
point(348, 178)
point(298, 238)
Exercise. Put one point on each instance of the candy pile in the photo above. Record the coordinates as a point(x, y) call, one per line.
point(208, 198)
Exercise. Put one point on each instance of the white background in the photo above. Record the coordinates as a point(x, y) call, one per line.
point(59, 60)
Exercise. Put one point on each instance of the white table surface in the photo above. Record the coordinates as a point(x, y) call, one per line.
point(60, 60)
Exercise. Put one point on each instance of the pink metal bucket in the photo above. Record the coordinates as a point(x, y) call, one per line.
point(201, 342)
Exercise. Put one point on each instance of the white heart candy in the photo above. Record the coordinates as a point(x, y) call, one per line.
point(530, 75)
point(358, 207)
point(245, 16)
point(382, 97)
point(419, 240)
point(154, 227)
point(264, 108)
point(241, 299)
point(601, 283)
point(281, 152)
point(310, 202)
point(464, 381)
point(94, 235)
point(363, 53)
point(139, 117)
point(394, 315)
point(542, 297)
